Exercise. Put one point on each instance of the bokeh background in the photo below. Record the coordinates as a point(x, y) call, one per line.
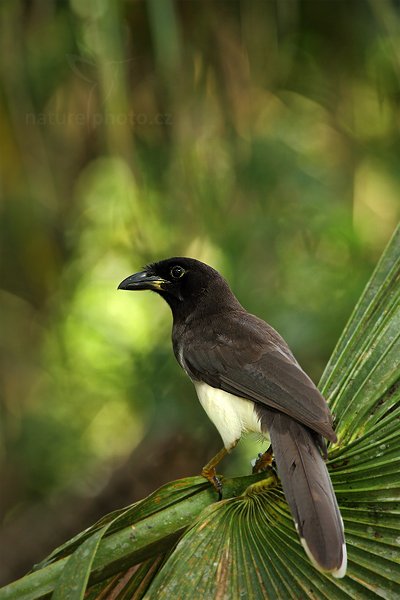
point(259, 136)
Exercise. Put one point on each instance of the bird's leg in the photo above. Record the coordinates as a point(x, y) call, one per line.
point(209, 472)
point(263, 461)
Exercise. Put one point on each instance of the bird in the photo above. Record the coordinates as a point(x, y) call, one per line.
point(248, 381)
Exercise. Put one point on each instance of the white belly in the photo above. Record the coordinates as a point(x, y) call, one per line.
point(230, 414)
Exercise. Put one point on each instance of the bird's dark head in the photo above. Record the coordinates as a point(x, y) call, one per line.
point(185, 283)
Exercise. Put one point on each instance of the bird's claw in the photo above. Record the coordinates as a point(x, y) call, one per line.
point(263, 461)
point(215, 481)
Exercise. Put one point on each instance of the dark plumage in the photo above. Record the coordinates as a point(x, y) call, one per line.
point(247, 379)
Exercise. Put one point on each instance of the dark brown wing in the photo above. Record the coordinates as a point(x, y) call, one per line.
point(251, 360)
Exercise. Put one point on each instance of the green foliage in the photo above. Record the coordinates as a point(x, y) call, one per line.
point(246, 545)
point(259, 136)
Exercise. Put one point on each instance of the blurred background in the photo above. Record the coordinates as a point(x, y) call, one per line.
point(259, 136)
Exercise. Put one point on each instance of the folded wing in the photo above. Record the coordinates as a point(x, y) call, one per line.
point(255, 362)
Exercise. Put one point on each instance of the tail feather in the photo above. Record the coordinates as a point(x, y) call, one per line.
point(309, 493)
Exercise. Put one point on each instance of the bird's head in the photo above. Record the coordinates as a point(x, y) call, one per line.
point(182, 282)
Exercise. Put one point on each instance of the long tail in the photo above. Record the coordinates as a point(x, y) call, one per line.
point(309, 493)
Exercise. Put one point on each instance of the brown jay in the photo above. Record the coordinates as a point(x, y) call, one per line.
point(248, 380)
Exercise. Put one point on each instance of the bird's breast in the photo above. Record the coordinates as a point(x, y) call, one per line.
point(231, 415)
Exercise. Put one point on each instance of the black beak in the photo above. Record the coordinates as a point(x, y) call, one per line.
point(142, 281)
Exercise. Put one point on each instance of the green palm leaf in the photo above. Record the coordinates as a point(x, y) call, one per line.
point(180, 543)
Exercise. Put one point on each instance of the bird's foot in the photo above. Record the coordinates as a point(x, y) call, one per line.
point(263, 461)
point(214, 479)
point(210, 473)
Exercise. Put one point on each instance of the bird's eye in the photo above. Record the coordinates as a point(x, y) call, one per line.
point(177, 272)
